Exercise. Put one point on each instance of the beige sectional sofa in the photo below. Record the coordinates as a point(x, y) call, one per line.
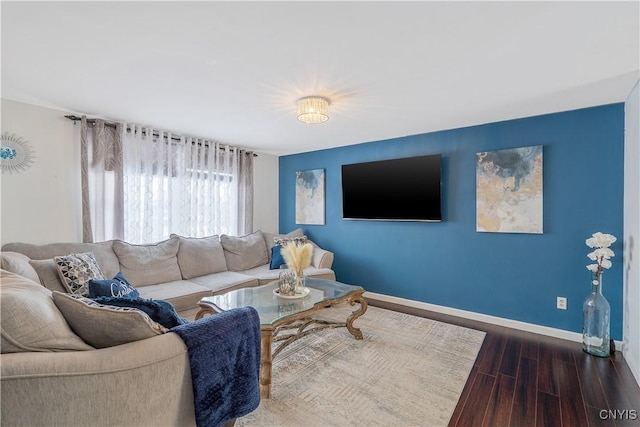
point(50, 376)
point(181, 270)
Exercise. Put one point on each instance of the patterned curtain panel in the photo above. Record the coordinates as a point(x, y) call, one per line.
point(102, 181)
point(245, 192)
point(181, 185)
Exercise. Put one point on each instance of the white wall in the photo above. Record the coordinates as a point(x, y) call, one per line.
point(265, 193)
point(43, 203)
point(631, 256)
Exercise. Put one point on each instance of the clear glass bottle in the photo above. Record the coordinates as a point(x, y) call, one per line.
point(596, 331)
point(300, 283)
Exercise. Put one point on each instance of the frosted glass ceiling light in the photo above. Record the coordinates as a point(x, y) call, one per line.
point(313, 109)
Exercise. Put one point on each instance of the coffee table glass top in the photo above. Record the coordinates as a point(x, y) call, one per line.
point(272, 308)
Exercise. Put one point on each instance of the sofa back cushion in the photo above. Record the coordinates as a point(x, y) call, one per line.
point(18, 263)
point(103, 252)
point(200, 256)
point(47, 271)
point(245, 252)
point(149, 264)
point(104, 325)
point(30, 319)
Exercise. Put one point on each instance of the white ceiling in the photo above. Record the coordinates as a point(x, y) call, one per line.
point(232, 71)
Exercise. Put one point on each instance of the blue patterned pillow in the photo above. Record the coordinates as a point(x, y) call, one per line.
point(276, 258)
point(160, 311)
point(116, 287)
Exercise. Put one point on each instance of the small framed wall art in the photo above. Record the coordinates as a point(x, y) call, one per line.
point(310, 197)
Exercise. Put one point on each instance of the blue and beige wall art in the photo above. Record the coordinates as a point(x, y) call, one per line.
point(310, 197)
point(509, 190)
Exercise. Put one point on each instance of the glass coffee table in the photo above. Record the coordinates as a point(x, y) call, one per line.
point(284, 319)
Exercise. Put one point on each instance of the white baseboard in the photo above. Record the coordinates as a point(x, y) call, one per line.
point(500, 321)
point(633, 365)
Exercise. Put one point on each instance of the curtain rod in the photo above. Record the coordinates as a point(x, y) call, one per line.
point(112, 124)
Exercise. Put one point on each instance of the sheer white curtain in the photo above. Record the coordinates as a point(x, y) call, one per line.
point(140, 185)
point(183, 185)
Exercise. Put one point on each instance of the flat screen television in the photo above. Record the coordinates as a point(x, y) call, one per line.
point(405, 189)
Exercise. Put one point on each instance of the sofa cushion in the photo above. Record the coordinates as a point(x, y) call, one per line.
point(183, 294)
point(264, 275)
point(30, 319)
point(75, 271)
point(159, 311)
point(116, 287)
point(18, 263)
point(245, 252)
point(104, 325)
point(226, 281)
point(149, 264)
point(48, 274)
point(198, 256)
point(102, 250)
point(269, 238)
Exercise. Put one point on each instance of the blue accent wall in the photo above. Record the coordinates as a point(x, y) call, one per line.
point(513, 276)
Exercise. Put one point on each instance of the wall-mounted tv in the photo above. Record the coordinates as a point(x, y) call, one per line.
point(405, 189)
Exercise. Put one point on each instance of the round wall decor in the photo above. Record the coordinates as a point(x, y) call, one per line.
point(15, 153)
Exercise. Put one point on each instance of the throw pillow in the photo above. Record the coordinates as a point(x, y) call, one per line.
point(160, 311)
point(105, 325)
point(277, 260)
point(199, 256)
point(116, 287)
point(245, 252)
point(149, 264)
point(30, 320)
point(298, 240)
point(270, 237)
point(76, 270)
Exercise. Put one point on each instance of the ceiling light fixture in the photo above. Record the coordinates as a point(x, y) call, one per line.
point(313, 109)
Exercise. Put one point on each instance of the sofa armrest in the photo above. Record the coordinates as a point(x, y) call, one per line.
point(322, 258)
point(146, 382)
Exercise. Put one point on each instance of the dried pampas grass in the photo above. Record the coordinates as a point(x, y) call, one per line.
point(297, 257)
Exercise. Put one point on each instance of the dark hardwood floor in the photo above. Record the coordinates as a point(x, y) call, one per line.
point(526, 379)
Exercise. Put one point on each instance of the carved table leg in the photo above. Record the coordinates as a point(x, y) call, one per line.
point(357, 298)
point(265, 364)
point(204, 309)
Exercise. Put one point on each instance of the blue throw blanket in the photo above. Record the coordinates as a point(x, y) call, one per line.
point(224, 353)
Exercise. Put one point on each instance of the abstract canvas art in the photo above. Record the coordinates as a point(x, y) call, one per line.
point(509, 190)
point(310, 196)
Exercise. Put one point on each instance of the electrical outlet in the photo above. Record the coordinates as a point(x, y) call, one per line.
point(562, 303)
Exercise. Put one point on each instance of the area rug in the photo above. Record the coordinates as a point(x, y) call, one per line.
point(407, 371)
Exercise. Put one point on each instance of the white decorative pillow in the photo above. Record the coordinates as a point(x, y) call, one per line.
point(298, 240)
point(269, 238)
point(104, 325)
point(76, 270)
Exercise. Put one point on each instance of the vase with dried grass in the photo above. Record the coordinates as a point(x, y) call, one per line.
point(297, 257)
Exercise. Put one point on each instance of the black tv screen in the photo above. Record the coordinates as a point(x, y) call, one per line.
point(406, 189)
